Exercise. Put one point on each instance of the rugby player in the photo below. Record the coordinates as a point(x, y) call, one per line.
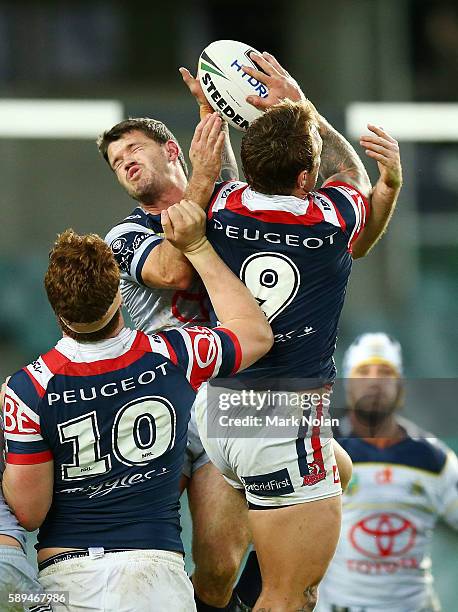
point(96, 428)
point(161, 290)
point(404, 480)
point(17, 577)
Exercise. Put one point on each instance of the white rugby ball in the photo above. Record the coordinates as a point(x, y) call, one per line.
point(226, 85)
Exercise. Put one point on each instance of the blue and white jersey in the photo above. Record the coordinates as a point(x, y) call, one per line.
point(113, 416)
point(152, 309)
point(295, 256)
point(390, 508)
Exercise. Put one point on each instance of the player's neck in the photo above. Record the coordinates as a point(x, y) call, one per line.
point(165, 200)
point(383, 435)
point(298, 192)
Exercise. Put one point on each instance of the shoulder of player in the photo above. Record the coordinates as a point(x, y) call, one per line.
point(25, 385)
point(421, 450)
point(223, 190)
point(433, 451)
point(137, 221)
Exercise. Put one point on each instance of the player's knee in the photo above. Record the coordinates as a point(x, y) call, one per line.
point(216, 571)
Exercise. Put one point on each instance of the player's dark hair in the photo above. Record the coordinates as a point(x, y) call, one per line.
point(278, 146)
point(156, 130)
point(81, 282)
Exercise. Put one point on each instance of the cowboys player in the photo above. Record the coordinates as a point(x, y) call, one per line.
point(404, 480)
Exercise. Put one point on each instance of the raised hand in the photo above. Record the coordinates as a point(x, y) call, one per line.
point(195, 88)
point(184, 226)
point(384, 149)
point(206, 147)
point(279, 82)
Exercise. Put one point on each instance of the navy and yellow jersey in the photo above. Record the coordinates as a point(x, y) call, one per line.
point(390, 508)
point(295, 256)
point(113, 416)
point(151, 309)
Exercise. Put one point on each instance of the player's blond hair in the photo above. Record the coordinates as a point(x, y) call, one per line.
point(278, 146)
point(81, 282)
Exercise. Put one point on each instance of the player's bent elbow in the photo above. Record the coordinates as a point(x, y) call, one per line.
point(358, 252)
point(268, 338)
point(30, 521)
point(180, 281)
point(183, 282)
point(264, 340)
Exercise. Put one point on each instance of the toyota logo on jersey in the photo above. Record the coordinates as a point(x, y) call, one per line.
point(383, 535)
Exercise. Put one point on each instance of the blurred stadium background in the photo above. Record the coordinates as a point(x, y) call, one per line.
point(341, 51)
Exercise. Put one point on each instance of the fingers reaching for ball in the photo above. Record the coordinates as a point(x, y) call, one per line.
point(384, 149)
point(278, 81)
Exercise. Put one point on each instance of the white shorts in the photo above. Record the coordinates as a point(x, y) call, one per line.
point(131, 581)
point(274, 472)
point(195, 456)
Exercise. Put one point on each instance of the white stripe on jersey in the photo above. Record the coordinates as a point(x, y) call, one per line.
point(40, 372)
point(254, 200)
point(159, 345)
point(345, 192)
point(189, 349)
point(224, 193)
point(327, 207)
point(124, 228)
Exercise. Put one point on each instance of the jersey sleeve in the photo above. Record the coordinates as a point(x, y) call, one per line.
point(24, 443)
point(447, 494)
point(220, 194)
point(204, 353)
point(131, 244)
point(349, 206)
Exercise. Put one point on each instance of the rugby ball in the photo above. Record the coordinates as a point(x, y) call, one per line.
point(226, 85)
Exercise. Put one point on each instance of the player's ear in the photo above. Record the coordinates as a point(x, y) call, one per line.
point(302, 180)
point(173, 150)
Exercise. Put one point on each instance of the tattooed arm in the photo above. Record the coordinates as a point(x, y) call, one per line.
point(229, 170)
point(339, 160)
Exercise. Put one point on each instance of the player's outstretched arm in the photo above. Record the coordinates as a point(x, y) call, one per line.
point(235, 307)
point(339, 160)
point(385, 150)
point(229, 170)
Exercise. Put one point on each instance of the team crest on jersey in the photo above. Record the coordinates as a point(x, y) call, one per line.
point(316, 474)
point(117, 245)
